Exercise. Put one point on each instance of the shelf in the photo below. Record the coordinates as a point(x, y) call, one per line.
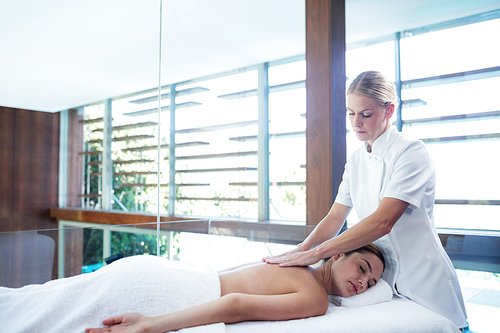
point(193, 157)
point(468, 202)
point(133, 173)
point(215, 199)
point(163, 108)
point(455, 118)
point(164, 185)
point(126, 138)
point(122, 162)
point(183, 92)
point(142, 185)
point(218, 127)
point(132, 161)
point(89, 195)
point(476, 74)
point(133, 137)
point(90, 121)
point(239, 94)
point(129, 126)
point(288, 183)
point(127, 173)
point(413, 103)
point(217, 170)
point(165, 146)
point(272, 89)
point(97, 152)
point(271, 136)
point(462, 138)
point(271, 184)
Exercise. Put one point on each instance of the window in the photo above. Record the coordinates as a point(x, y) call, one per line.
point(450, 74)
point(216, 155)
point(287, 144)
point(450, 78)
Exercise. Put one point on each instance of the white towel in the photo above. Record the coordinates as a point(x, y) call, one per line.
point(396, 316)
point(381, 292)
point(146, 284)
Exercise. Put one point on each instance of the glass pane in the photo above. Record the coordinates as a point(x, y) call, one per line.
point(378, 57)
point(134, 152)
point(92, 156)
point(467, 217)
point(489, 125)
point(287, 158)
point(467, 170)
point(286, 73)
point(441, 100)
point(216, 148)
point(452, 50)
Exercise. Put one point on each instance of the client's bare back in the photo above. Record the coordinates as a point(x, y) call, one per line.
point(263, 279)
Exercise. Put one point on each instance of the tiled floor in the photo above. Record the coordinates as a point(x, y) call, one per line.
point(482, 302)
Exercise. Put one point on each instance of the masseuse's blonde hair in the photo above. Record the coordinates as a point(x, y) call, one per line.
point(375, 85)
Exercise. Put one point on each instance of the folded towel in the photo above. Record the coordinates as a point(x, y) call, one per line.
point(146, 284)
point(381, 292)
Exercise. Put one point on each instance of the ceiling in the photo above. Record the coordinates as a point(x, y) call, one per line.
point(60, 54)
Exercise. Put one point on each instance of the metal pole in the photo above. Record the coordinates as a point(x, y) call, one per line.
point(397, 58)
point(159, 136)
point(107, 162)
point(172, 193)
point(263, 142)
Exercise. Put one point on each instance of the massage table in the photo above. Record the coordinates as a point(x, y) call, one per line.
point(155, 286)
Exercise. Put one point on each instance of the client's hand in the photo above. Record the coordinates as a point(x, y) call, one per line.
point(300, 256)
point(127, 323)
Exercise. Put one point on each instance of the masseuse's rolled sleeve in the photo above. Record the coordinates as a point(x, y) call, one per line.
point(411, 175)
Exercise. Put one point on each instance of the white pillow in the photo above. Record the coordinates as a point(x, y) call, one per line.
point(381, 292)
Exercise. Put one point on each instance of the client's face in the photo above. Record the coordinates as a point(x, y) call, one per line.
point(355, 273)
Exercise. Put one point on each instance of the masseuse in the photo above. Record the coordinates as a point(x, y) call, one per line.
point(390, 182)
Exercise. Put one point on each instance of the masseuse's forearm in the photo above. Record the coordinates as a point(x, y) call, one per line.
point(328, 227)
point(371, 228)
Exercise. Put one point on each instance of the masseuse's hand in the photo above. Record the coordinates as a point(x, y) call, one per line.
point(300, 256)
point(128, 323)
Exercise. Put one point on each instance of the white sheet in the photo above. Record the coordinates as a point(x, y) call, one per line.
point(145, 284)
point(399, 315)
point(155, 286)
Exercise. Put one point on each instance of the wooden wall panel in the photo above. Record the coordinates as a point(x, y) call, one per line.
point(6, 165)
point(326, 104)
point(36, 161)
point(28, 170)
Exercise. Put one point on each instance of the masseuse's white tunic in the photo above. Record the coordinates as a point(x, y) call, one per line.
point(418, 266)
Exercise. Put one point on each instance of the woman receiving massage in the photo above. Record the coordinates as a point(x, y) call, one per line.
point(267, 292)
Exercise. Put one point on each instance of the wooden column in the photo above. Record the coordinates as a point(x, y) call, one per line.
point(326, 105)
point(75, 161)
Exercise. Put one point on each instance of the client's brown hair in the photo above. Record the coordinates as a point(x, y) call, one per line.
point(370, 247)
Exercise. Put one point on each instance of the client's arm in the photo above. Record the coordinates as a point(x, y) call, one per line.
point(231, 308)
